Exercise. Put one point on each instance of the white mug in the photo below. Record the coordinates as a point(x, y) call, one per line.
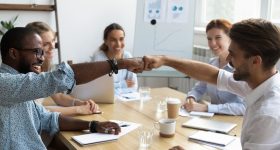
point(166, 127)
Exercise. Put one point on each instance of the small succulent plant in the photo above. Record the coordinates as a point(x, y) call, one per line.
point(7, 25)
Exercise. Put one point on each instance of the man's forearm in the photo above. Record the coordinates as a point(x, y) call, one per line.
point(195, 69)
point(72, 124)
point(85, 72)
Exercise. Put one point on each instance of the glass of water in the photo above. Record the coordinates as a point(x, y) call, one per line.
point(145, 137)
point(144, 93)
point(162, 106)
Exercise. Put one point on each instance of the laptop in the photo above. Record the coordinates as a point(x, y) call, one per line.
point(101, 90)
point(209, 125)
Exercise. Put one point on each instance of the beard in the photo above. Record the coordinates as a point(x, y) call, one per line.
point(24, 67)
point(241, 75)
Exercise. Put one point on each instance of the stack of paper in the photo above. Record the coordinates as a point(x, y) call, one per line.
point(93, 138)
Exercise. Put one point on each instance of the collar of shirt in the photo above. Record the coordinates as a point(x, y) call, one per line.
point(259, 91)
point(8, 69)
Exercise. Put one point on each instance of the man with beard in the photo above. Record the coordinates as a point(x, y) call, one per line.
point(254, 52)
point(21, 119)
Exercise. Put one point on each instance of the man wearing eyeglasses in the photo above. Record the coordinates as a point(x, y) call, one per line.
point(21, 82)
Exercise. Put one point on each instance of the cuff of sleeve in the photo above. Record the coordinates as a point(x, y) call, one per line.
point(69, 80)
point(193, 96)
point(55, 125)
point(213, 108)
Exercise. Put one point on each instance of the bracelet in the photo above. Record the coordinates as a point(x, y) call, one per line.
point(114, 66)
point(92, 126)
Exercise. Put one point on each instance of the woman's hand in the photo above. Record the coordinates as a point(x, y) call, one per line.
point(130, 83)
point(86, 107)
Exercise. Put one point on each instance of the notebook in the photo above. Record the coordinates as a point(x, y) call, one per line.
point(210, 125)
point(95, 138)
point(101, 90)
point(212, 138)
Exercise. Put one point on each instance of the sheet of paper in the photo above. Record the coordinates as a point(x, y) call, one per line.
point(133, 96)
point(129, 96)
point(202, 114)
point(126, 127)
point(212, 138)
point(92, 138)
point(184, 113)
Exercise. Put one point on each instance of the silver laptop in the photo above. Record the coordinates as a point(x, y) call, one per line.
point(101, 90)
point(209, 125)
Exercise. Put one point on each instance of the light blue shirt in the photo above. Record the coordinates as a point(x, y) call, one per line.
point(221, 102)
point(123, 74)
point(21, 119)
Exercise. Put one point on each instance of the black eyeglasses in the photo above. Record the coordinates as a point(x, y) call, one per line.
point(38, 51)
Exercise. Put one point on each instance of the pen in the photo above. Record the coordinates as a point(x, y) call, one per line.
point(97, 112)
point(124, 125)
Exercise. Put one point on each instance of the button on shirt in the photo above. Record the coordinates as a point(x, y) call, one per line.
point(260, 130)
point(221, 101)
point(21, 119)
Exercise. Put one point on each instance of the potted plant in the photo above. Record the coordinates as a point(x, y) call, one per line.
point(7, 25)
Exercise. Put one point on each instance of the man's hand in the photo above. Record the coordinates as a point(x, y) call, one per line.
point(192, 105)
point(108, 128)
point(135, 65)
point(152, 62)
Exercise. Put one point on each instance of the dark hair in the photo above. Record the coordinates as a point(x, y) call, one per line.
point(219, 24)
point(108, 29)
point(258, 37)
point(14, 38)
point(39, 27)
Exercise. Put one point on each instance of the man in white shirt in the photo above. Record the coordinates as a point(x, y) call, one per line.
point(254, 52)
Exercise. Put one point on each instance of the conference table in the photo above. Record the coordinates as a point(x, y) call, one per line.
point(144, 113)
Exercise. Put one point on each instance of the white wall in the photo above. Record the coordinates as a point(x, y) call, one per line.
point(81, 23)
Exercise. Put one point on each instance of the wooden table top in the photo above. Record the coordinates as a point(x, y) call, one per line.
point(146, 114)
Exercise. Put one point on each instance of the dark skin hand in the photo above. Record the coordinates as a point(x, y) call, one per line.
point(111, 127)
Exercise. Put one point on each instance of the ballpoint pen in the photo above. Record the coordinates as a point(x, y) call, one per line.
point(97, 112)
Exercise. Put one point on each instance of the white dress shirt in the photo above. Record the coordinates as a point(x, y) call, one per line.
point(222, 102)
point(261, 124)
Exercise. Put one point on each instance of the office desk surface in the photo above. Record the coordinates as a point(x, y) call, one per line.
point(144, 113)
